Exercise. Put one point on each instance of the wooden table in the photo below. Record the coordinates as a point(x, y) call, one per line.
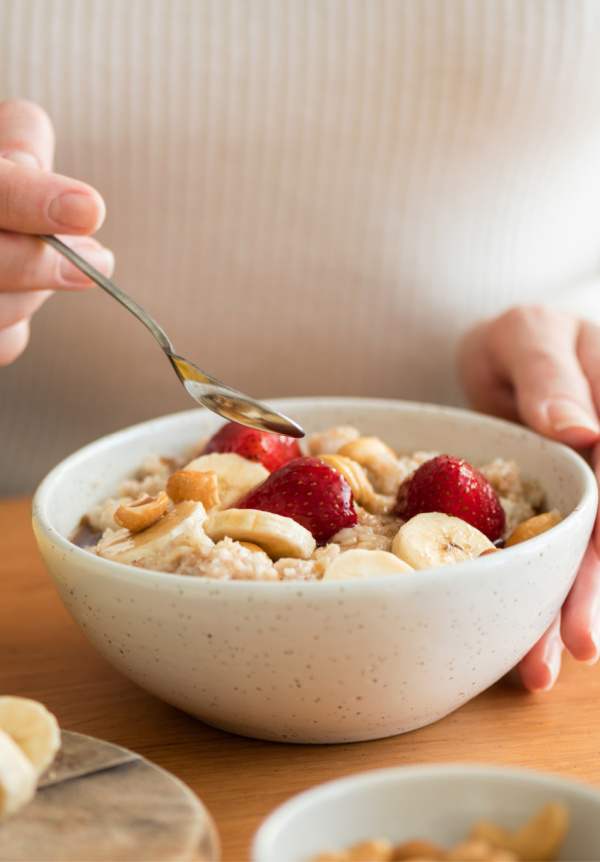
point(44, 656)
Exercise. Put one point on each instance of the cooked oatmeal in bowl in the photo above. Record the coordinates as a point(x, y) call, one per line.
point(219, 512)
point(300, 641)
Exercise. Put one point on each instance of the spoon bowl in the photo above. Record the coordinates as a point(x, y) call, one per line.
point(206, 390)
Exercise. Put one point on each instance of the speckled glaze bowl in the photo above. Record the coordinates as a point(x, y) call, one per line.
point(436, 803)
point(320, 662)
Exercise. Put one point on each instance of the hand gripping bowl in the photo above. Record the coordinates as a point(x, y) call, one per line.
point(320, 662)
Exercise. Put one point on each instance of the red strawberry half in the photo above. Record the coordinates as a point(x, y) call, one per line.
point(310, 492)
point(272, 450)
point(453, 486)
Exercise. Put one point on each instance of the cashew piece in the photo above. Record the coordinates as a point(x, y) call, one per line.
point(537, 839)
point(141, 513)
point(533, 527)
point(477, 850)
point(378, 459)
point(201, 487)
point(417, 849)
point(370, 452)
point(362, 490)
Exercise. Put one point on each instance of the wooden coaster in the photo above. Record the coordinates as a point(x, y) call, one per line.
point(100, 801)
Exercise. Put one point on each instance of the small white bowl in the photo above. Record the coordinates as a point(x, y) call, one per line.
point(320, 662)
point(435, 803)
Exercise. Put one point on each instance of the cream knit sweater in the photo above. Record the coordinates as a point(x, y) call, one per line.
point(311, 196)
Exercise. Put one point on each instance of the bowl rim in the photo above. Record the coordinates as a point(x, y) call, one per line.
point(128, 573)
point(283, 814)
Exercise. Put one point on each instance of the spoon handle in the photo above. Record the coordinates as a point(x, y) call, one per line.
point(116, 292)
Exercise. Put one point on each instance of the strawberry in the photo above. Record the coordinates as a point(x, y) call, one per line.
point(310, 492)
point(272, 450)
point(453, 486)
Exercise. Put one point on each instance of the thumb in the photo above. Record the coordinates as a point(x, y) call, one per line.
point(534, 348)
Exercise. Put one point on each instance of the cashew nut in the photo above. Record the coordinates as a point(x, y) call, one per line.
point(477, 850)
point(141, 513)
point(370, 452)
point(362, 490)
point(417, 849)
point(201, 487)
point(378, 458)
point(533, 527)
point(538, 839)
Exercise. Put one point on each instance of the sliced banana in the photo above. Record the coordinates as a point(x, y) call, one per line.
point(235, 475)
point(277, 535)
point(363, 563)
point(182, 522)
point(433, 539)
point(18, 777)
point(32, 727)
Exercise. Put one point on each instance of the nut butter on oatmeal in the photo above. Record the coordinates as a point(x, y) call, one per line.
point(341, 497)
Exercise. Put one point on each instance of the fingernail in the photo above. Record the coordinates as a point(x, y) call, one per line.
point(22, 157)
point(75, 210)
point(565, 414)
point(102, 258)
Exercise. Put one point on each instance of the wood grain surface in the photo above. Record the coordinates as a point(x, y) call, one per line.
point(44, 656)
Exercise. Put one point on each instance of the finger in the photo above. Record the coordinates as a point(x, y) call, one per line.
point(595, 463)
point(34, 201)
point(539, 669)
point(26, 134)
point(29, 264)
point(588, 350)
point(536, 348)
point(13, 341)
point(15, 307)
point(580, 624)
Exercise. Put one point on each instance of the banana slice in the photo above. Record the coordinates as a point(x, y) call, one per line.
point(235, 475)
point(433, 539)
point(32, 727)
point(18, 777)
point(181, 523)
point(277, 535)
point(362, 563)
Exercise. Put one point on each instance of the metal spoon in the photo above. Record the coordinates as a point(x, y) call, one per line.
point(211, 393)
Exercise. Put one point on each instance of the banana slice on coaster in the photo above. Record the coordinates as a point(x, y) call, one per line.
point(29, 740)
point(235, 475)
point(363, 563)
point(34, 729)
point(277, 535)
point(434, 539)
point(18, 777)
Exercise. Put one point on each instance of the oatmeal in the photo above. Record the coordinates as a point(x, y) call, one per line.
point(221, 514)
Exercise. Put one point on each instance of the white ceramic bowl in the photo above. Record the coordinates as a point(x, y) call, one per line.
point(437, 803)
point(320, 662)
